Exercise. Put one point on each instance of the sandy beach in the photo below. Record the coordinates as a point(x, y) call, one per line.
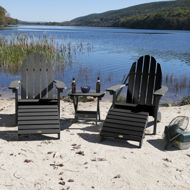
point(79, 162)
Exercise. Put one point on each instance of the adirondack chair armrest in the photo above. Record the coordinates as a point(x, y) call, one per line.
point(114, 89)
point(161, 91)
point(60, 85)
point(15, 85)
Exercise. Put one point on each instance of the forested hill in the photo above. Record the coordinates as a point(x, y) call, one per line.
point(5, 19)
point(157, 15)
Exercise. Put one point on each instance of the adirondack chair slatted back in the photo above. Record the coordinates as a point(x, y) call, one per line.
point(36, 78)
point(145, 77)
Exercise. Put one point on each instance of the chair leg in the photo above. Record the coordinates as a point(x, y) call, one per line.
point(140, 144)
point(101, 138)
point(58, 136)
point(19, 137)
point(155, 125)
point(159, 117)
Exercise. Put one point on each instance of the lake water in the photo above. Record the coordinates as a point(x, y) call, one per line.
point(113, 52)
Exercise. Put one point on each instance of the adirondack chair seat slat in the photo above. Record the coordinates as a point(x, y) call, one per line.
point(118, 136)
point(122, 121)
point(123, 131)
point(31, 122)
point(38, 110)
point(31, 114)
point(37, 101)
point(39, 131)
point(130, 115)
point(37, 118)
point(128, 111)
point(136, 108)
point(34, 127)
point(128, 119)
point(38, 106)
point(123, 126)
point(125, 104)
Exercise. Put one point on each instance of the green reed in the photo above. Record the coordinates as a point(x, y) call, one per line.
point(15, 48)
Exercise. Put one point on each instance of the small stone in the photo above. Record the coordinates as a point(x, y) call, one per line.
point(85, 163)
point(62, 183)
point(71, 180)
point(61, 173)
point(101, 159)
point(80, 153)
point(167, 160)
point(56, 165)
point(117, 176)
point(75, 146)
point(60, 165)
point(61, 156)
point(92, 187)
point(27, 161)
point(178, 170)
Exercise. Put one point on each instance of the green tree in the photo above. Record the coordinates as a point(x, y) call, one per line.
point(2, 16)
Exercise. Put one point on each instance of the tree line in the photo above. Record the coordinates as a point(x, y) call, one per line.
point(5, 18)
point(173, 15)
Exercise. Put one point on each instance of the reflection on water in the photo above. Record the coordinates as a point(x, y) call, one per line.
point(113, 52)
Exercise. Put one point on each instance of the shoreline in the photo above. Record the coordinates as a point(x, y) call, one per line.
point(6, 94)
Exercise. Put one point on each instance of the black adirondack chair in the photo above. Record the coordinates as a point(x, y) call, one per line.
point(128, 120)
point(38, 109)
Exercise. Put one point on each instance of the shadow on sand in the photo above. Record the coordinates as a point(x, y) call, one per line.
point(8, 121)
point(95, 138)
point(160, 145)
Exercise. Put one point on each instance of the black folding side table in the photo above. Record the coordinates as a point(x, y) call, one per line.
point(79, 114)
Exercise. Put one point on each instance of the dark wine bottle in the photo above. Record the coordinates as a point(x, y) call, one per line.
point(73, 86)
point(98, 85)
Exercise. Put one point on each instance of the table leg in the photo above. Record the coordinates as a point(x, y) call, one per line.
point(98, 108)
point(75, 102)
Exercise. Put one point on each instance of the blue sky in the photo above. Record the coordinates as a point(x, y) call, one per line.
point(62, 10)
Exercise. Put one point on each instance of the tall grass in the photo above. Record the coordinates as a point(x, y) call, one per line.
point(177, 84)
point(15, 48)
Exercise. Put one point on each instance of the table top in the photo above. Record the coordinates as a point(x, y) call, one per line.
point(91, 93)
